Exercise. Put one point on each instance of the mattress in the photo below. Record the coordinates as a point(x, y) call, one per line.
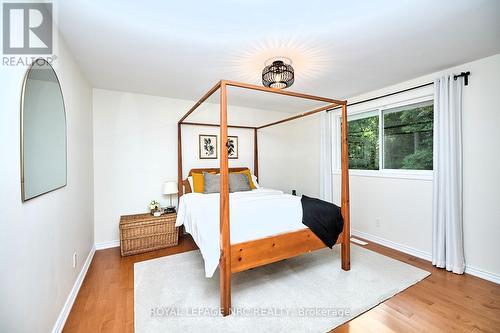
point(253, 214)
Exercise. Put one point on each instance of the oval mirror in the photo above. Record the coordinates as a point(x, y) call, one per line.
point(43, 132)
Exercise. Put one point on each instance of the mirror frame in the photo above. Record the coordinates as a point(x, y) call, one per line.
point(40, 62)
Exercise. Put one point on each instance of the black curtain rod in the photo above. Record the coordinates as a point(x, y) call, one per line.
point(463, 74)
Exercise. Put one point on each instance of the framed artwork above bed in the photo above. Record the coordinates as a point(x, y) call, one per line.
point(232, 147)
point(208, 146)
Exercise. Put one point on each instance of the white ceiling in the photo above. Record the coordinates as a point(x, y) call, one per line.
point(338, 48)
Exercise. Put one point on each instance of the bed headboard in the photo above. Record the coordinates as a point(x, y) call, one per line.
point(185, 182)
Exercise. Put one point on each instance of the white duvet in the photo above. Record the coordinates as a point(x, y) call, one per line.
point(253, 214)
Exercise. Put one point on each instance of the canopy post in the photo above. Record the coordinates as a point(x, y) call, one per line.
point(344, 206)
point(255, 154)
point(179, 159)
point(225, 243)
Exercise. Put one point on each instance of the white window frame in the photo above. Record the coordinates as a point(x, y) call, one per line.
point(381, 172)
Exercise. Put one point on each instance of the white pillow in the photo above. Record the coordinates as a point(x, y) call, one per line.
point(254, 179)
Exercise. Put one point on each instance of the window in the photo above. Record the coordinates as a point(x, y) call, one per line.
point(392, 138)
point(363, 143)
point(408, 137)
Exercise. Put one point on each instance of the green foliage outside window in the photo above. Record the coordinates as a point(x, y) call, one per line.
point(407, 139)
point(363, 143)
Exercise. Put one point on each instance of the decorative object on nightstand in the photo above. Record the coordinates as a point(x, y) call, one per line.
point(170, 188)
point(143, 232)
point(154, 206)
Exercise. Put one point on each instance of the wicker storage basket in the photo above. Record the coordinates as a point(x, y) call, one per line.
point(144, 232)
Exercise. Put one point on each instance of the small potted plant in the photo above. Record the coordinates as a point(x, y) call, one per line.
point(154, 206)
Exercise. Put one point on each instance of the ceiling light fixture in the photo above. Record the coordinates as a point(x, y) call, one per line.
point(278, 75)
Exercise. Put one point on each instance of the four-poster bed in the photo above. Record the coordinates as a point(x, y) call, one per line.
point(257, 252)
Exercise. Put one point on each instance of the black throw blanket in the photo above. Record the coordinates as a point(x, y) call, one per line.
point(323, 218)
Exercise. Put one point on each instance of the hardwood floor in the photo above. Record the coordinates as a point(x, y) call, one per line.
point(443, 302)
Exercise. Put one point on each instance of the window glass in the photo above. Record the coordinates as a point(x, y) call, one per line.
point(407, 137)
point(363, 138)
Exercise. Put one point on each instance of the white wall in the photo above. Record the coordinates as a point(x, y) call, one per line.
point(135, 151)
point(38, 237)
point(289, 156)
point(404, 206)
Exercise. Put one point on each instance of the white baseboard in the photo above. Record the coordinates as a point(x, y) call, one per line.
point(483, 274)
point(393, 245)
point(63, 315)
point(107, 245)
point(358, 241)
point(424, 255)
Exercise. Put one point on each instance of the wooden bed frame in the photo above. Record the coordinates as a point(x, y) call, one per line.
point(242, 256)
point(270, 249)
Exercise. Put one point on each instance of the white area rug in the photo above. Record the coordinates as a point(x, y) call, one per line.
point(309, 293)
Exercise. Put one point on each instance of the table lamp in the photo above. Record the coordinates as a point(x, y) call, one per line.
point(170, 188)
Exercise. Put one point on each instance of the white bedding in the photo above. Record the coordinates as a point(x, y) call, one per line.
point(254, 214)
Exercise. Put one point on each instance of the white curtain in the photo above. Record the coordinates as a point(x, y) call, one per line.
point(447, 237)
point(325, 172)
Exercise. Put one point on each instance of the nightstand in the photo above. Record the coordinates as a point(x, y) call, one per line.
point(144, 232)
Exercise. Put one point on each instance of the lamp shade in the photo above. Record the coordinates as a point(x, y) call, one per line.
point(278, 75)
point(170, 188)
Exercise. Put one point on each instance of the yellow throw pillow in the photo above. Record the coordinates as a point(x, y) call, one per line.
point(198, 182)
point(249, 176)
